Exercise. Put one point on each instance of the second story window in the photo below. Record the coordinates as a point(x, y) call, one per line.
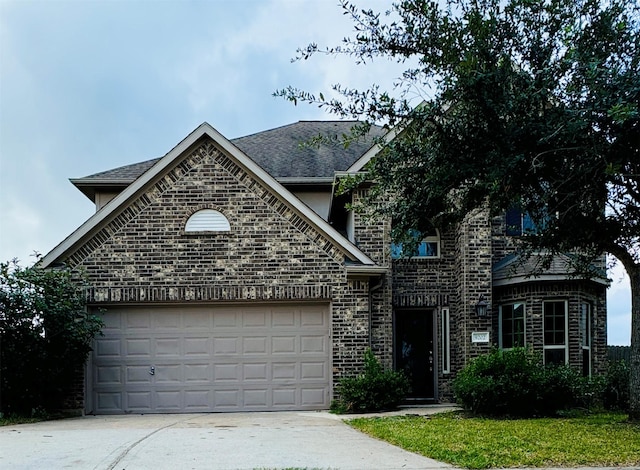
point(519, 223)
point(428, 247)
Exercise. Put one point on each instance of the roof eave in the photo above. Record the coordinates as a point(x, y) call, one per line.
point(205, 129)
point(523, 279)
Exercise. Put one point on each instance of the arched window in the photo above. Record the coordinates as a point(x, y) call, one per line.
point(207, 220)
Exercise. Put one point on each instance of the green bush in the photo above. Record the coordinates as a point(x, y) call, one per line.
point(374, 390)
point(45, 336)
point(615, 395)
point(515, 383)
point(500, 383)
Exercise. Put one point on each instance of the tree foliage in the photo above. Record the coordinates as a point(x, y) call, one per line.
point(45, 334)
point(524, 103)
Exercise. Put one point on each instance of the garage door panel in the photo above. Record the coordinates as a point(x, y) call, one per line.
point(224, 319)
point(257, 371)
point(109, 402)
point(197, 400)
point(313, 396)
point(283, 344)
point(254, 318)
point(140, 347)
point(228, 358)
point(313, 344)
point(225, 346)
point(311, 317)
point(226, 372)
point(256, 399)
point(168, 347)
point(169, 374)
point(314, 371)
point(198, 373)
point(107, 347)
point(140, 321)
point(197, 346)
point(226, 400)
point(280, 319)
point(139, 400)
point(138, 374)
point(200, 320)
point(284, 397)
point(254, 345)
point(109, 375)
point(169, 321)
point(284, 371)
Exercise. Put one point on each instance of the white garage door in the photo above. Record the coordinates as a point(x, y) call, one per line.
point(222, 358)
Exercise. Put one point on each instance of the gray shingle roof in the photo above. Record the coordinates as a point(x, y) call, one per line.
point(280, 151)
point(514, 269)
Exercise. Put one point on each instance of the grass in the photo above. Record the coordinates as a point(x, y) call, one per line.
point(12, 419)
point(478, 443)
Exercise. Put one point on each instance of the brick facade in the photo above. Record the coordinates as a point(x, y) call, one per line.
point(141, 255)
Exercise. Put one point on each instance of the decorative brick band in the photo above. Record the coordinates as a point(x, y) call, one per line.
point(420, 300)
point(97, 295)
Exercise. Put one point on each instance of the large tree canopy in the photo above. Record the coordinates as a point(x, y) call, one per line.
point(526, 103)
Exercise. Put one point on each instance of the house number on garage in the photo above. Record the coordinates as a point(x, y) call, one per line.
point(480, 337)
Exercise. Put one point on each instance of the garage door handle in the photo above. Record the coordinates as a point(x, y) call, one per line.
point(152, 370)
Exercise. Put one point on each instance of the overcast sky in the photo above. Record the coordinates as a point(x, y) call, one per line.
point(86, 86)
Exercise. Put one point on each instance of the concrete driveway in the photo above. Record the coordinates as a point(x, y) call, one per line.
point(278, 440)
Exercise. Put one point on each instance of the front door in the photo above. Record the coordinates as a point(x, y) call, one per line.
point(414, 352)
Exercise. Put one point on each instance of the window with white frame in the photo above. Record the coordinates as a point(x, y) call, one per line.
point(446, 342)
point(585, 337)
point(428, 247)
point(207, 220)
point(511, 321)
point(555, 329)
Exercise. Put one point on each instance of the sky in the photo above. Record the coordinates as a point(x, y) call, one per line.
point(86, 86)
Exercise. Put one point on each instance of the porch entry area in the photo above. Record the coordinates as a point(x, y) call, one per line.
point(414, 351)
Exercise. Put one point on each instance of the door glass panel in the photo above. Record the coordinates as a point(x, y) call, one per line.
point(414, 351)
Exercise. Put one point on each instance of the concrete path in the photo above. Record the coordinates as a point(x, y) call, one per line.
point(279, 440)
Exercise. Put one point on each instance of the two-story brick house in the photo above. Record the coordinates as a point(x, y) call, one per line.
point(231, 277)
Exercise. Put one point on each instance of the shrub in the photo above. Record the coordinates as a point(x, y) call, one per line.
point(374, 390)
point(515, 383)
point(615, 395)
point(500, 383)
point(46, 334)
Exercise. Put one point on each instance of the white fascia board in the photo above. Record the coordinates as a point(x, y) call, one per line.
point(204, 129)
point(366, 270)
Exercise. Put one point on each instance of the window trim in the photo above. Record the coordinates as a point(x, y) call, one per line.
point(586, 332)
point(564, 346)
point(446, 341)
point(524, 324)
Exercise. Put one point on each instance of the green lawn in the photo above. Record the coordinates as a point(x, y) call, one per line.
point(597, 440)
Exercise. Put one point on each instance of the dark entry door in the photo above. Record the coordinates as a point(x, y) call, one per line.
point(414, 351)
